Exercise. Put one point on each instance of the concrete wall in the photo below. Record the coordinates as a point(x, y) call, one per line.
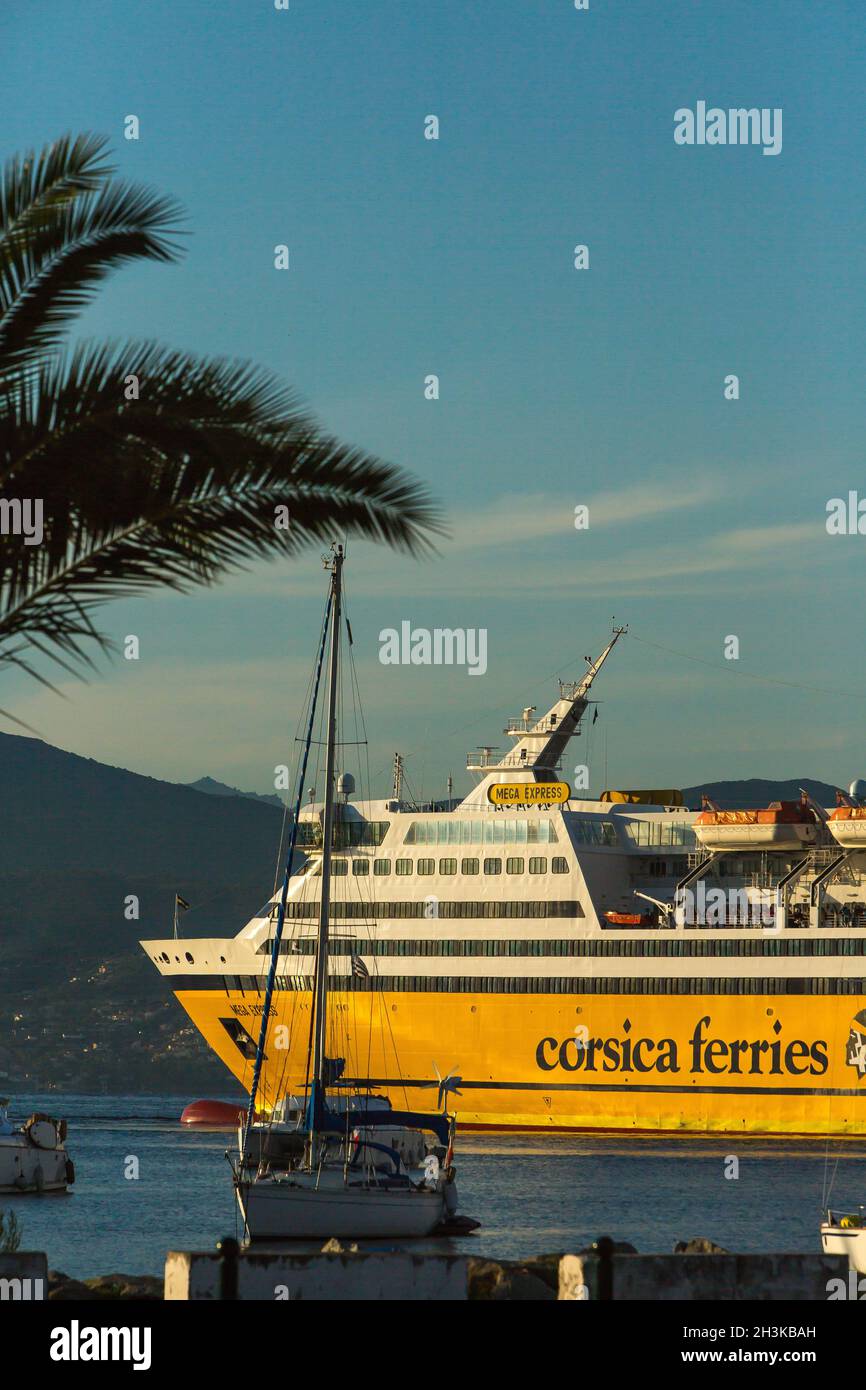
point(24, 1276)
point(400, 1276)
point(722, 1278)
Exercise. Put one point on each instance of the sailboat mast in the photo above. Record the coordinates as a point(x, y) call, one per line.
point(321, 988)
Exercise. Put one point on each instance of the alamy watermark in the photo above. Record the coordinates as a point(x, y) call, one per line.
point(719, 907)
point(22, 516)
point(441, 646)
point(736, 126)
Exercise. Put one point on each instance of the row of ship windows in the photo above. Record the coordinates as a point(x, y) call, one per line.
point(346, 834)
point(403, 868)
point(548, 907)
point(436, 946)
point(489, 830)
point(648, 832)
point(505, 984)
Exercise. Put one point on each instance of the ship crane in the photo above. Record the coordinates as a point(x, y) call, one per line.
point(666, 909)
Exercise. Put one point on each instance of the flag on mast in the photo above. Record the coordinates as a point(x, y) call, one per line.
point(180, 905)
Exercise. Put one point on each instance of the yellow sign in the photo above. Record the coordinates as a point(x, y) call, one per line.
point(528, 793)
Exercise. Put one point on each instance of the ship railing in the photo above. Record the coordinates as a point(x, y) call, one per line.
point(527, 726)
point(542, 727)
point(479, 761)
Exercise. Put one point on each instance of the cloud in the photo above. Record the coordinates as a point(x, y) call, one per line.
point(525, 517)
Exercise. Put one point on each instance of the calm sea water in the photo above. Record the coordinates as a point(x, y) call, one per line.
point(532, 1193)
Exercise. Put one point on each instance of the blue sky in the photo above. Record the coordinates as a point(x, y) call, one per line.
point(558, 387)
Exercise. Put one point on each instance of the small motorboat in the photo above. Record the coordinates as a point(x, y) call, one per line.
point(845, 1234)
point(33, 1157)
point(780, 826)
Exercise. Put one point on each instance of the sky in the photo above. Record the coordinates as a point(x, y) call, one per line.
point(559, 388)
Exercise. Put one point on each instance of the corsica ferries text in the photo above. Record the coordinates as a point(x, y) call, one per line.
point(702, 1055)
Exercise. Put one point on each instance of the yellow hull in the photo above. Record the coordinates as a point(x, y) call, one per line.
point(760, 1064)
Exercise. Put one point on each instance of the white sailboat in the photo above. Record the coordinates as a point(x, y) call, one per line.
point(845, 1234)
point(337, 1165)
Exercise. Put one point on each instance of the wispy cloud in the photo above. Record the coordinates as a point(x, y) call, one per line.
point(525, 517)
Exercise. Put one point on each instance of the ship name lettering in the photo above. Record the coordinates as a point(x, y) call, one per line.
point(707, 1055)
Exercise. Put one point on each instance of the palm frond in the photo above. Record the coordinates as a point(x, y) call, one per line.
point(58, 247)
point(32, 185)
point(172, 489)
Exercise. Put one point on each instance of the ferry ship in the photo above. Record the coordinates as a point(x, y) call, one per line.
point(553, 962)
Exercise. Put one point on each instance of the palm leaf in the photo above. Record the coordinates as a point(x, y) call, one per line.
point(172, 489)
point(63, 229)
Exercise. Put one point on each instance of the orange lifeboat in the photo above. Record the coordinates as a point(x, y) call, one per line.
point(213, 1114)
point(781, 825)
point(847, 824)
point(624, 919)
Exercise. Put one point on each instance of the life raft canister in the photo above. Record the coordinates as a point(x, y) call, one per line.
point(41, 1131)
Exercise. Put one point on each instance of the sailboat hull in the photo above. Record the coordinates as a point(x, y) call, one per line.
point(295, 1209)
point(839, 1240)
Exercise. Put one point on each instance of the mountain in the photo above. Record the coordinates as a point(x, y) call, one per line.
point(757, 791)
point(81, 1007)
point(214, 788)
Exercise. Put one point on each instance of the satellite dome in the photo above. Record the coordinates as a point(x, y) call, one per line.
point(857, 789)
point(346, 784)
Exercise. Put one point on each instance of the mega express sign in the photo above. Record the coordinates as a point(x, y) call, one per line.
point(528, 793)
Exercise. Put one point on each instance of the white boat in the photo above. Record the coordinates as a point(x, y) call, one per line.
point(314, 1205)
point(845, 1234)
point(33, 1157)
point(339, 1161)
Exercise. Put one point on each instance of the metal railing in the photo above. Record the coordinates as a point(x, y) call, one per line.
point(519, 725)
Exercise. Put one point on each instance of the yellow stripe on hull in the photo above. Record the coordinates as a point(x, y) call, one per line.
point(760, 1064)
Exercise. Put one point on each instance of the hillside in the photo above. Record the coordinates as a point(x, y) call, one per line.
point(757, 791)
point(81, 1008)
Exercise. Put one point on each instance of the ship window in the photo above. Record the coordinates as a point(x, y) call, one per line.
point(403, 866)
point(381, 866)
point(559, 865)
point(360, 867)
point(339, 867)
point(514, 866)
point(469, 866)
point(447, 866)
point(493, 866)
point(426, 866)
point(538, 864)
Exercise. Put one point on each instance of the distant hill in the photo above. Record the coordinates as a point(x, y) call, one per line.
point(757, 791)
point(77, 838)
point(213, 788)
